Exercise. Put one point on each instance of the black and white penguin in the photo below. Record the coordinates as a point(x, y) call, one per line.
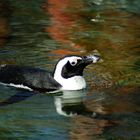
point(67, 75)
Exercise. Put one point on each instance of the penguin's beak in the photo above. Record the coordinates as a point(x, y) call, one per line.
point(90, 59)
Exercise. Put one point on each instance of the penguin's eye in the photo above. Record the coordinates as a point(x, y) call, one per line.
point(73, 63)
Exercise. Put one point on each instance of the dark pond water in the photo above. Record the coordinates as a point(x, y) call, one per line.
point(38, 33)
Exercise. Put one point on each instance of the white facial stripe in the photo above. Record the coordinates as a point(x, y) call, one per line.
point(74, 59)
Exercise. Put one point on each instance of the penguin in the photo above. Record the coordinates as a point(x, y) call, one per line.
point(67, 75)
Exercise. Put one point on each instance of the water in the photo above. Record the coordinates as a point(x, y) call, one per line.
point(38, 33)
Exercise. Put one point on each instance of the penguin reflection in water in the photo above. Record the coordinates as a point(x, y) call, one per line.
point(71, 103)
point(67, 75)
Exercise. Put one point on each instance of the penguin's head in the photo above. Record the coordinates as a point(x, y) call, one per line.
point(70, 68)
point(74, 65)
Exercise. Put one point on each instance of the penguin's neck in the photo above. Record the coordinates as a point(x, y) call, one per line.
point(73, 83)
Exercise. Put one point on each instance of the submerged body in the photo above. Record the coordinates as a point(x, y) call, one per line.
point(67, 75)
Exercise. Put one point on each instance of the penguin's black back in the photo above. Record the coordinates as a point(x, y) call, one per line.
point(34, 78)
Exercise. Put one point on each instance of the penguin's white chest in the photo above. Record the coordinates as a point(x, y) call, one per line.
point(73, 83)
